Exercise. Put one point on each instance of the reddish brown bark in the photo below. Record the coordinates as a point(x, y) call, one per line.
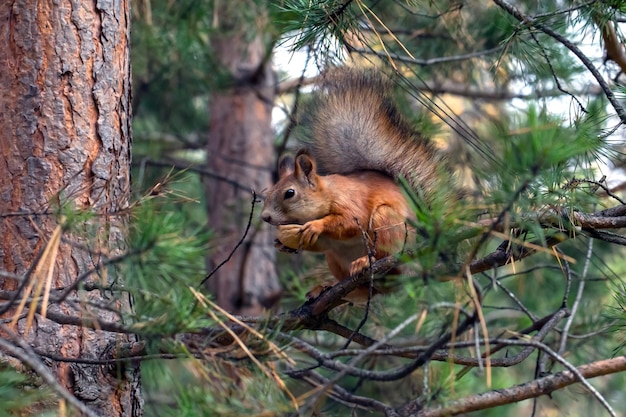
point(65, 139)
point(240, 148)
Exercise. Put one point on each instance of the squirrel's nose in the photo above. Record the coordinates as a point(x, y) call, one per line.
point(266, 217)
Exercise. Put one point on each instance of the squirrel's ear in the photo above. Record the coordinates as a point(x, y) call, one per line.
point(285, 166)
point(306, 169)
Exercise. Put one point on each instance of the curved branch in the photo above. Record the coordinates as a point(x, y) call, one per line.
point(530, 21)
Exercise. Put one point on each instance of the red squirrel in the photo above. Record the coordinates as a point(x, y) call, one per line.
point(340, 195)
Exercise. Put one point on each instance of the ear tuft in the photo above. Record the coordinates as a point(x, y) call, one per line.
point(305, 167)
point(285, 166)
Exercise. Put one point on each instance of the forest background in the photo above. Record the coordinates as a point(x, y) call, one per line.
point(526, 100)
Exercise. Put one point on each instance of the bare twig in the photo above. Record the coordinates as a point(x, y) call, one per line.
point(343, 396)
point(577, 300)
point(457, 89)
point(293, 114)
point(431, 61)
point(230, 255)
point(188, 166)
point(532, 389)
point(557, 82)
point(371, 253)
point(349, 368)
point(516, 300)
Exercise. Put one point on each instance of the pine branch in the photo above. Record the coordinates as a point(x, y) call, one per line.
point(530, 21)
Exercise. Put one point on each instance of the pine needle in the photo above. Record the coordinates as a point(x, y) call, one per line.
point(41, 277)
point(483, 325)
point(268, 371)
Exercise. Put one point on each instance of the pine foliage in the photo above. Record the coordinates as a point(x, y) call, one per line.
point(529, 110)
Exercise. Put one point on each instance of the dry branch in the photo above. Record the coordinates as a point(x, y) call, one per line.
point(532, 389)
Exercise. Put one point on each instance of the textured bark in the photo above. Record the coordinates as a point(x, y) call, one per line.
point(240, 148)
point(65, 138)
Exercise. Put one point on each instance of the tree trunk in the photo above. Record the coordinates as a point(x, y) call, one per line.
point(240, 148)
point(65, 141)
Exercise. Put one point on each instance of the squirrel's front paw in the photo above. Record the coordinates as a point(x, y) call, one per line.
point(288, 235)
point(310, 232)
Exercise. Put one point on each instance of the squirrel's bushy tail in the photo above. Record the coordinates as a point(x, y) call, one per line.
point(355, 125)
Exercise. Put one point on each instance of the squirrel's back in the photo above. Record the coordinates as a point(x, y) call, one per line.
point(355, 125)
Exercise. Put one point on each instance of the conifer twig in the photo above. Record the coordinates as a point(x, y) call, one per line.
point(621, 112)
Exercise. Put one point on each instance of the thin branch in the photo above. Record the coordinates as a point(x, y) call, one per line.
point(230, 255)
point(332, 326)
point(545, 56)
point(596, 222)
point(402, 371)
point(577, 300)
point(427, 62)
point(295, 84)
point(607, 190)
point(293, 114)
point(370, 288)
point(97, 268)
point(189, 166)
point(530, 21)
point(532, 389)
point(516, 300)
point(452, 88)
point(92, 322)
point(508, 361)
point(343, 396)
point(605, 236)
point(350, 366)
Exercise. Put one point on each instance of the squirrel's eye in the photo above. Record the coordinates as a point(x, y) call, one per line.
point(290, 193)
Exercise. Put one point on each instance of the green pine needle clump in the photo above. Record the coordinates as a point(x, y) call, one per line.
point(618, 315)
point(168, 258)
point(19, 392)
point(318, 23)
point(546, 161)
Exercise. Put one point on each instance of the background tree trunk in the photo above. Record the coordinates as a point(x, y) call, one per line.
point(65, 139)
point(240, 148)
